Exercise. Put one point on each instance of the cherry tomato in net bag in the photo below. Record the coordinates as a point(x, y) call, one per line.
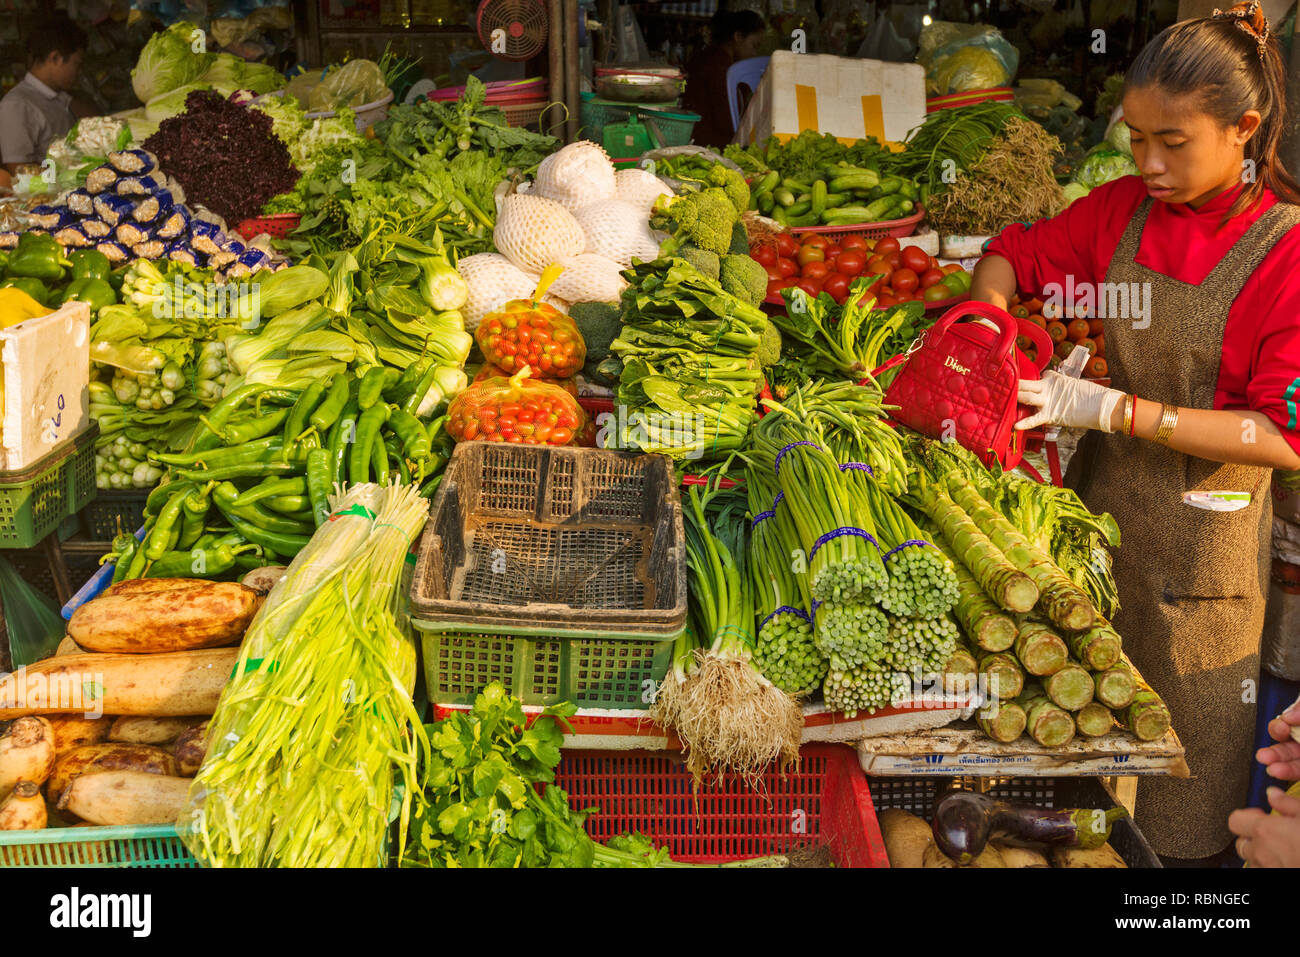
point(524, 332)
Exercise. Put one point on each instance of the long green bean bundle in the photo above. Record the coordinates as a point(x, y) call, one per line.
point(311, 733)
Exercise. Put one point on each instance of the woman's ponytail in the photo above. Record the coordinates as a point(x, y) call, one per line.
point(1232, 63)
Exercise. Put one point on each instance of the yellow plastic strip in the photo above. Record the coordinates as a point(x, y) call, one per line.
point(873, 116)
point(805, 105)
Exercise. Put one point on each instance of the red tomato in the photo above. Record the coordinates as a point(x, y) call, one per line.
point(837, 285)
point(884, 302)
point(815, 270)
point(915, 259)
point(952, 267)
point(773, 272)
point(816, 240)
point(810, 286)
point(763, 255)
point(850, 263)
point(786, 267)
point(904, 280)
point(774, 287)
point(878, 266)
point(856, 243)
point(930, 277)
point(886, 245)
point(895, 260)
point(786, 245)
point(934, 262)
point(834, 249)
point(810, 254)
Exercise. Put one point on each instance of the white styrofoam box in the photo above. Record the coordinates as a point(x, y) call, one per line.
point(962, 247)
point(46, 365)
point(928, 241)
point(843, 96)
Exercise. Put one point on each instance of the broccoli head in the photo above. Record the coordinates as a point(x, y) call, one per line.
point(600, 324)
point(732, 182)
point(769, 349)
point(703, 218)
point(703, 260)
point(743, 278)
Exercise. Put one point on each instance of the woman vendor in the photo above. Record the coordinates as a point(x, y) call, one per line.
point(1205, 389)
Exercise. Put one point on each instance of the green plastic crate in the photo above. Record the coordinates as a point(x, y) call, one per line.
point(672, 126)
point(591, 669)
point(99, 518)
point(34, 501)
point(155, 845)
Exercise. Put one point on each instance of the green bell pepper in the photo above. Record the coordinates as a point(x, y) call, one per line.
point(89, 264)
point(37, 257)
point(117, 277)
point(33, 287)
point(94, 292)
point(4, 259)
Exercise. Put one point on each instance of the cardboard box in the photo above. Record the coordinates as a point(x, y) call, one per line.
point(46, 363)
point(846, 97)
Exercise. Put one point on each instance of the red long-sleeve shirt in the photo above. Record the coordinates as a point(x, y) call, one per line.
point(1259, 367)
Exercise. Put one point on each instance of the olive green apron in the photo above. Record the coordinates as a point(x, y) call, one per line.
point(1192, 582)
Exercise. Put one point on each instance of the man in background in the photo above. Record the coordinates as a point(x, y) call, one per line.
point(39, 109)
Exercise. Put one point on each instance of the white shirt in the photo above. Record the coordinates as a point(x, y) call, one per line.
point(31, 116)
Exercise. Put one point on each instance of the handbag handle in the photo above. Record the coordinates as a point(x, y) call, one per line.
point(1009, 327)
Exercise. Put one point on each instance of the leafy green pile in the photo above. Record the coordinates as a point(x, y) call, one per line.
point(690, 368)
point(948, 142)
point(489, 797)
point(804, 155)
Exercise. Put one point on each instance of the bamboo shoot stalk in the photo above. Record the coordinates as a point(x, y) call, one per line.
point(1047, 723)
point(1071, 687)
point(1041, 651)
point(1116, 686)
point(960, 672)
point(1094, 719)
point(1097, 648)
point(1005, 677)
point(1061, 599)
point(1147, 716)
point(984, 623)
point(1003, 721)
point(1004, 583)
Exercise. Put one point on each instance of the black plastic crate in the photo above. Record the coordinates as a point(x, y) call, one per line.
point(917, 795)
point(99, 519)
point(554, 539)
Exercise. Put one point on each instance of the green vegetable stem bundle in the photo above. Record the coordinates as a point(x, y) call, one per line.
point(729, 716)
point(316, 727)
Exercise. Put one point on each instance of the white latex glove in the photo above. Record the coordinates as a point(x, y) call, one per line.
point(1069, 402)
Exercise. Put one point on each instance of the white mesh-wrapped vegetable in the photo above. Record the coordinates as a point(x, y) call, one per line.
point(617, 231)
point(639, 188)
point(589, 278)
point(533, 232)
point(493, 280)
point(579, 174)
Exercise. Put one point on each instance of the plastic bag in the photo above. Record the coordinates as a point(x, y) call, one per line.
point(33, 622)
point(489, 371)
point(974, 57)
point(354, 84)
point(627, 42)
point(518, 410)
point(1103, 164)
point(532, 333)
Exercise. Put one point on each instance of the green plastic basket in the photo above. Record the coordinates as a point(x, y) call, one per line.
point(155, 845)
point(34, 501)
point(591, 669)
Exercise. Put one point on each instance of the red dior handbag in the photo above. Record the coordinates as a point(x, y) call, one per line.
point(959, 380)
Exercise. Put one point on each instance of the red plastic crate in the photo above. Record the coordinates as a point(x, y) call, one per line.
point(825, 801)
point(277, 226)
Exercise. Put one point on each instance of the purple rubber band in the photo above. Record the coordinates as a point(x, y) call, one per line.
point(858, 465)
point(770, 513)
point(839, 533)
point(797, 612)
point(816, 607)
point(788, 448)
point(906, 544)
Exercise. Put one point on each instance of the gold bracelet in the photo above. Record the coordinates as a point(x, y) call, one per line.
point(1168, 422)
point(1129, 404)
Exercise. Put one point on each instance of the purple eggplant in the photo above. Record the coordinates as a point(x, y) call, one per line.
point(964, 823)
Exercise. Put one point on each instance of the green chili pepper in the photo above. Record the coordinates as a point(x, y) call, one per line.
point(271, 487)
point(277, 543)
point(410, 430)
point(379, 461)
point(124, 561)
point(201, 562)
point(422, 387)
point(342, 437)
point(220, 413)
point(319, 480)
point(372, 384)
point(245, 452)
point(160, 535)
point(431, 486)
point(250, 427)
point(161, 493)
point(245, 470)
point(194, 513)
point(139, 562)
point(328, 411)
point(359, 459)
point(297, 419)
point(297, 507)
point(263, 518)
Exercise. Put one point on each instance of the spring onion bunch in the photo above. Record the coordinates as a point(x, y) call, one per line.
point(311, 734)
point(922, 580)
point(785, 651)
point(728, 715)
